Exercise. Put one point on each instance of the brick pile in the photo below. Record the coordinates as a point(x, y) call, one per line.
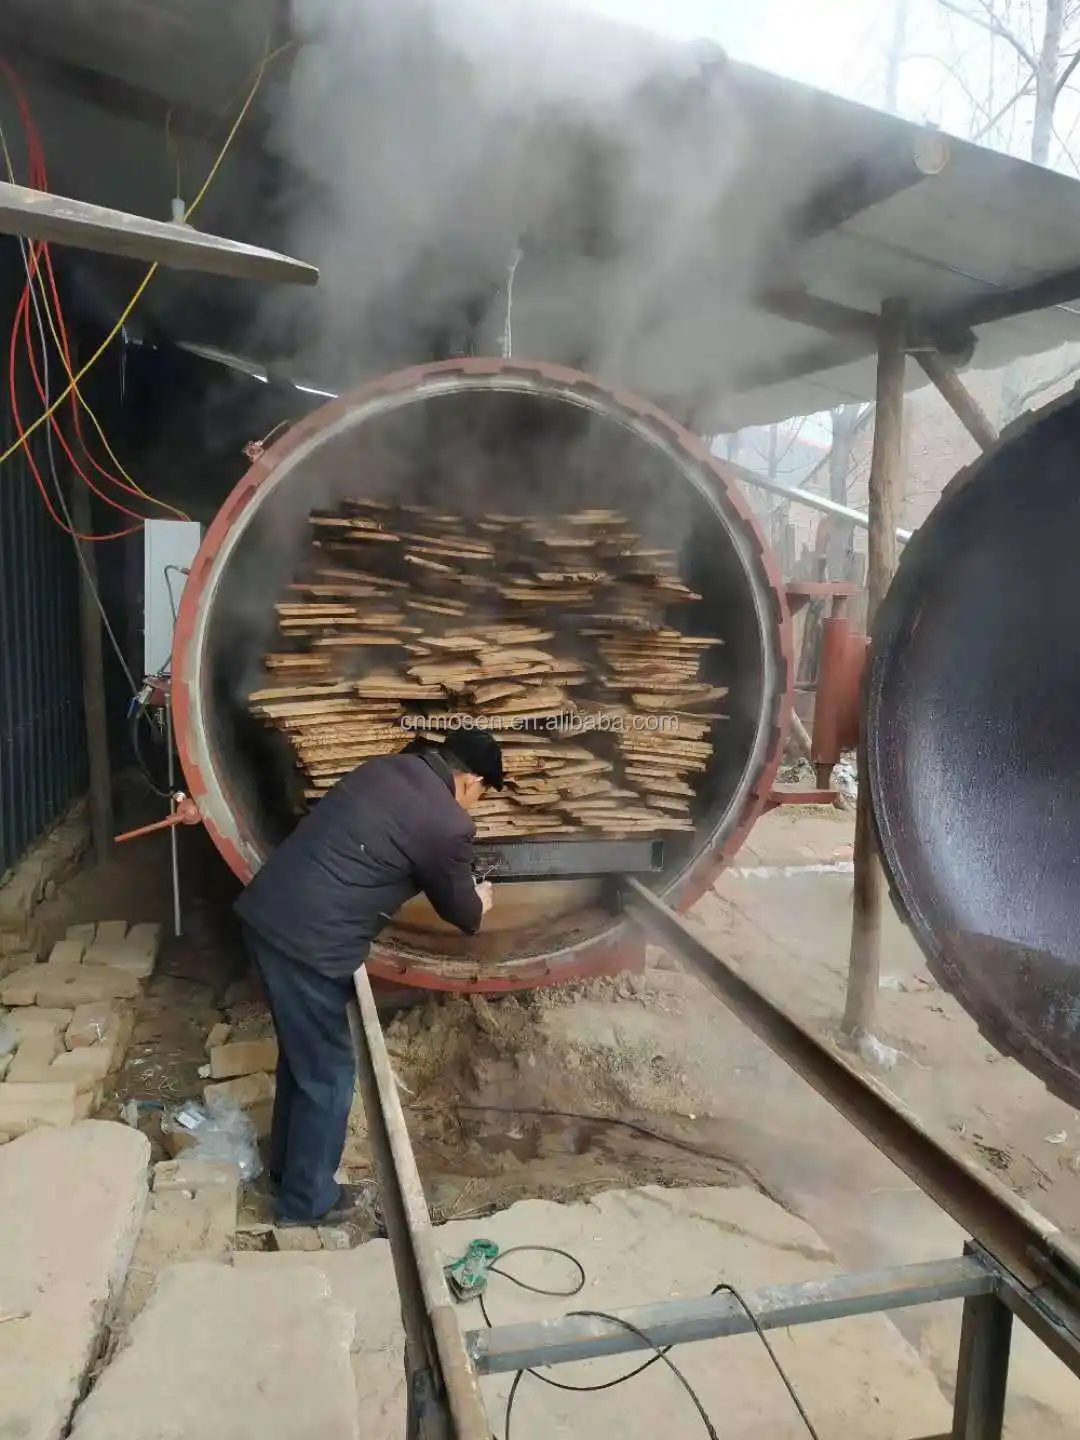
point(73, 1016)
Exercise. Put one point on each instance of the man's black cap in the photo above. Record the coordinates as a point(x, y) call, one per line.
point(478, 751)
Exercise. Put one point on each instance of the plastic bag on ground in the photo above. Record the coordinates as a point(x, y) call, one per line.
point(222, 1132)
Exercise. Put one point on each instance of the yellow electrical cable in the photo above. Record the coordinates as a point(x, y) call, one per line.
point(39, 281)
point(20, 443)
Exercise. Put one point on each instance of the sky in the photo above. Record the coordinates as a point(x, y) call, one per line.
point(828, 43)
point(949, 65)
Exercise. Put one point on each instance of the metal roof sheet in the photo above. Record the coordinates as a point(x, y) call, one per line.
point(716, 186)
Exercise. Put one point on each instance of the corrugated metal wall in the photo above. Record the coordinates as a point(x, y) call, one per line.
point(43, 765)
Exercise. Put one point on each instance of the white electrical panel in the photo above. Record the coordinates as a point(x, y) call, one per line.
point(170, 547)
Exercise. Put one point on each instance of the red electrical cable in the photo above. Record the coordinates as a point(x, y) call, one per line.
point(38, 175)
point(23, 313)
point(13, 398)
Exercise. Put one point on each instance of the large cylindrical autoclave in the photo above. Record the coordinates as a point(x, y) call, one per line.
point(476, 437)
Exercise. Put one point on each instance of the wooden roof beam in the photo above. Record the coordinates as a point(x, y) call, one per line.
point(870, 181)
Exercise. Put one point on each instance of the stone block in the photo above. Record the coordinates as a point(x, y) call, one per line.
point(89, 1024)
point(34, 1057)
point(16, 960)
point(21, 986)
point(134, 955)
point(243, 1057)
point(86, 1069)
point(14, 942)
point(24, 1107)
point(261, 1115)
point(71, 1202)
point(177, 1141)
point(110, 931)
point(218, 1035)
point(146, 933)
point(245, 1090)
point(67, 952)
point(72, 985)
point(88, 1103)
point(194, 1175)
point(39, 1020)
point(296, 1237)
point(85, 931)
point(227, 1352)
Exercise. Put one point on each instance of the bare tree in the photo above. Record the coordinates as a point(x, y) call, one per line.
point(1039, 33)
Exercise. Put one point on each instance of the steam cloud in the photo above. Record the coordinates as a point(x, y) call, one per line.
point(436, 140)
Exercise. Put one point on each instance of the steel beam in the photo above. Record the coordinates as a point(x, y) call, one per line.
point(982, 1376)
point(814, 501)
point(508, 1348)
point(444, 1401)
point(1022, 1241)
point(567, 859)
point(42, 216)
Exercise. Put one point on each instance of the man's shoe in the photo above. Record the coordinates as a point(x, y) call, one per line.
point(354, 1202)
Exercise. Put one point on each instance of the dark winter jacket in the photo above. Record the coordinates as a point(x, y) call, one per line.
point(385, 832)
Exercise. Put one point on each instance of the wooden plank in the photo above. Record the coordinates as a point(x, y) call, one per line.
point(886, 487)
point(54, 218)
point(93, 668)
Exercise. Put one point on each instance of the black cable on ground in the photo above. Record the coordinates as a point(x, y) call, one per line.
point(634, 1126)
point(661, 1353)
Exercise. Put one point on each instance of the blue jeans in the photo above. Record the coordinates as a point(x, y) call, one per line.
point(316, 1076)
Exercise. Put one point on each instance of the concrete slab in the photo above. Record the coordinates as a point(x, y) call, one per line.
point(856, 1377)
point(234, 1354)
point(70, 1206)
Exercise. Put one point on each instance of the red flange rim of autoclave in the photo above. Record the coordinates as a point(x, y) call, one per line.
point(600, 954)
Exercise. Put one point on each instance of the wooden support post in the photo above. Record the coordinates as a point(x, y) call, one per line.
point(93, 663)
point(959, 399)
point(886, 499)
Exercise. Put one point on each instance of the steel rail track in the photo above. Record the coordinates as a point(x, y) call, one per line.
point(1018, 1264)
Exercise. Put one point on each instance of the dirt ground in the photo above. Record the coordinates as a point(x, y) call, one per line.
point(648, 1080)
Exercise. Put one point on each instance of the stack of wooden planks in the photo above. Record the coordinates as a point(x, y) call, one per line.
point(557, 633)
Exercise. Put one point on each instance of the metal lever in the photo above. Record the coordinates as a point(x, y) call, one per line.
point(186, 813)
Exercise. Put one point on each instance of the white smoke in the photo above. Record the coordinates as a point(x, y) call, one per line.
point(434, 139)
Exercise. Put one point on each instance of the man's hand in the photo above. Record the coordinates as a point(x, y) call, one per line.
point(486, 893)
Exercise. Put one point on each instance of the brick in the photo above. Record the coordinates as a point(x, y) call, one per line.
point(86, 1068)
point(195, 1175)
point(25, 1107)
point(33, 1059)
point(21, 987)
point(83, 985)
point(67, 952)
point(261, 1115)
point(218, 1035)
point(85, 931)
point(39, 1020)
point(88, 1102)
point(90, 1064)
point(245, 1090)
point(89, 1024)
point(243, 1057)
point(296, 1237)
point(111, 931)
point(136, 957)
point(147, 933)
point(16, 960)
point(177, 1141)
